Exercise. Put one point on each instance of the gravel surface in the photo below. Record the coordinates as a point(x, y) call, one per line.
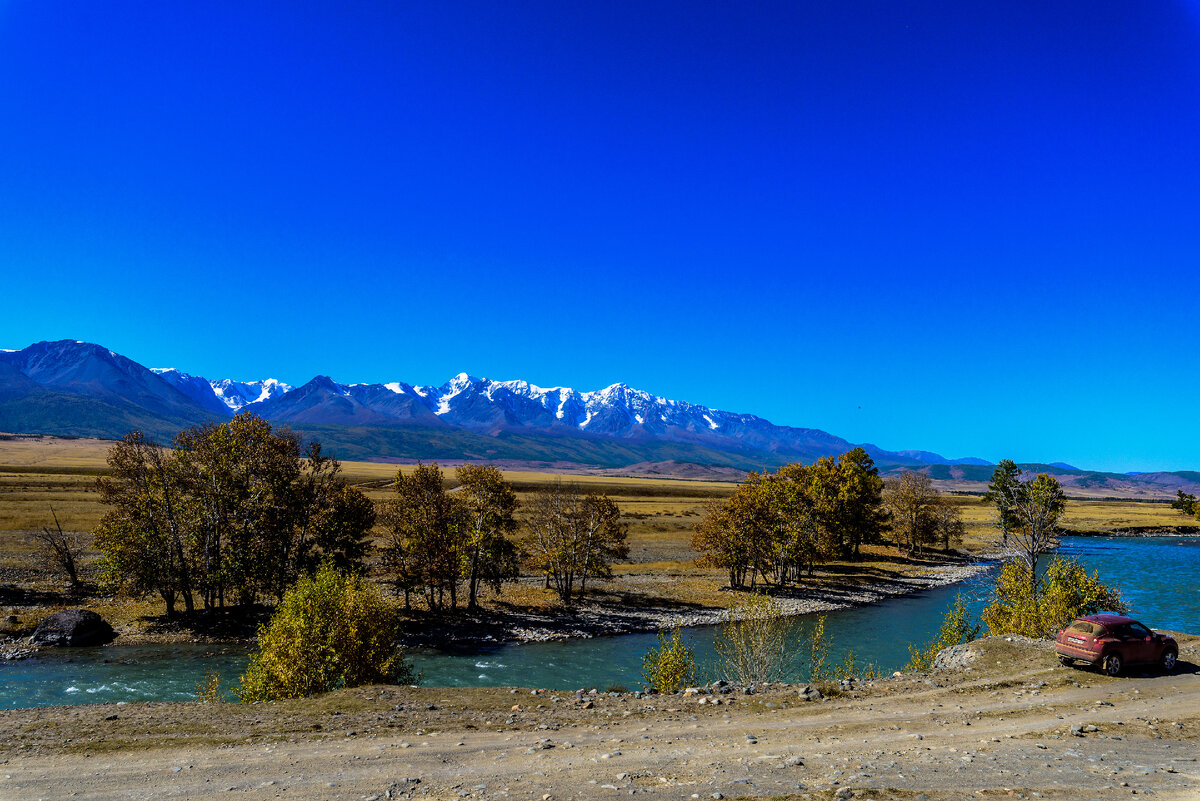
point(1012, 724)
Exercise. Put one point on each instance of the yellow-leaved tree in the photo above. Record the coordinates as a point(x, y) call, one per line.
point(333, 629)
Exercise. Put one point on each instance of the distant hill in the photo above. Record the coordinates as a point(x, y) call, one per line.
point(81, 389)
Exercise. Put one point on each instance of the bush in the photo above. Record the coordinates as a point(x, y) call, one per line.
point(671, 665)
point(757, 643)
point(956, 629)
point(208, 689)
point(1039, 607)
point(331, 630)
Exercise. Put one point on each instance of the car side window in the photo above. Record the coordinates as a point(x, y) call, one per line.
point(1138, 630)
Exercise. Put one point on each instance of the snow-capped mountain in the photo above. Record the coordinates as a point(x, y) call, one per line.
point(481, 405)
point(85, 389)
point(237, 395)
point(225, 396)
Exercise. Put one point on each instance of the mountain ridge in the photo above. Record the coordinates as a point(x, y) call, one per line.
point(83, 389)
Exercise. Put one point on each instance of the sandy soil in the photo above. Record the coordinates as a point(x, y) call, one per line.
point(998, 728)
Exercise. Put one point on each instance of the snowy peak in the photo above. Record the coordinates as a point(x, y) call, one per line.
point(46, 384)
point(237, 395)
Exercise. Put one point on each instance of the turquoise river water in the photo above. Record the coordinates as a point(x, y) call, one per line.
point(1157, 576)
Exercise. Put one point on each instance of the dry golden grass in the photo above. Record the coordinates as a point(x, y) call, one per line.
point(37, 474)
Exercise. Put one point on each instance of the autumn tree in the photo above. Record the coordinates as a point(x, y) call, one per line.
point(572, 536)
point(341, 528)
point(948, 526)
point(913, 501)
point(779, 526)
point(739, 534)
point(489, 519)
point(143, 537)
point(426, 549)
point(234, 513)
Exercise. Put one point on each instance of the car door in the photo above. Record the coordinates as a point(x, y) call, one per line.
point(1142, 645)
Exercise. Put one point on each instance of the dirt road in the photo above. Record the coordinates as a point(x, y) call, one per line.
point(1012, 724)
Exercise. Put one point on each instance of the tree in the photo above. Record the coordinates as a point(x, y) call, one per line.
point(913, 501)
point(862, 516)
point(235, 511)
point(60, 550)
point(948, 524)
point(341, 527)
point(489, 505)
point(426, 549)
point(778, 526)
point(332, 629)
point(740, 534)
point(571, 537)
point(142, 537)
point(1001, 491)
point(1037, 506)
point(600, 537)
point(1186, 503)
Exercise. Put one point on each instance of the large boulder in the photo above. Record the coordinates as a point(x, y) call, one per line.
point(73, 627)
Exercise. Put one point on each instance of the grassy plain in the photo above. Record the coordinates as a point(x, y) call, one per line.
point(39, 474)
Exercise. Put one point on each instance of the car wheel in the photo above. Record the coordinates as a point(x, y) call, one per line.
point(1112, 664)
point(1168, 661)
point(1066, 661)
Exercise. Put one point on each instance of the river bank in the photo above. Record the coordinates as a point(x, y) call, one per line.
point(1009, 720)
point(590, 619)
point(637, 605)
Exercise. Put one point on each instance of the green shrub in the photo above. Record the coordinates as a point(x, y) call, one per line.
point(956, 629)
point(671, 665)
point(331, 630)
point(1040, 606)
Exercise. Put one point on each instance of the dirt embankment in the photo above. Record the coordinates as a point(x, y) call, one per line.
point(1007, 721)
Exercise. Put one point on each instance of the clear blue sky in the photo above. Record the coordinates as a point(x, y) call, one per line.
point(961, 226)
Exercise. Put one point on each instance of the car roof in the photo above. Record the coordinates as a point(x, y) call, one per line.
point(1108, 620)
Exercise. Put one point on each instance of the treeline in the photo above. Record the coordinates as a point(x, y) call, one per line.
point(776, 527)
point(234, 513)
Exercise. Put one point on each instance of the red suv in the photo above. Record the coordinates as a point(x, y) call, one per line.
point(1112, 642)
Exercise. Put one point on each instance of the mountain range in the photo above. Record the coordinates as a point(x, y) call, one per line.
point(83, 389)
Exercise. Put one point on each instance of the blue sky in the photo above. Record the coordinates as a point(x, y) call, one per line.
point(963, 227)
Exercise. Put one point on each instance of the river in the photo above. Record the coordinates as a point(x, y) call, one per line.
point(1156, 575)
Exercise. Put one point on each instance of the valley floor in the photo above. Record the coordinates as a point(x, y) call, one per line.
point(1011, 724)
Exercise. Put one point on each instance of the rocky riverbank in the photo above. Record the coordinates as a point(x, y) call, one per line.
point(596, 620)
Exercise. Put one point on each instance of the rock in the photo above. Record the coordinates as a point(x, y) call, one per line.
point(955, 657)
point(844, 792)
point(74, 627)
point(794, 762)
